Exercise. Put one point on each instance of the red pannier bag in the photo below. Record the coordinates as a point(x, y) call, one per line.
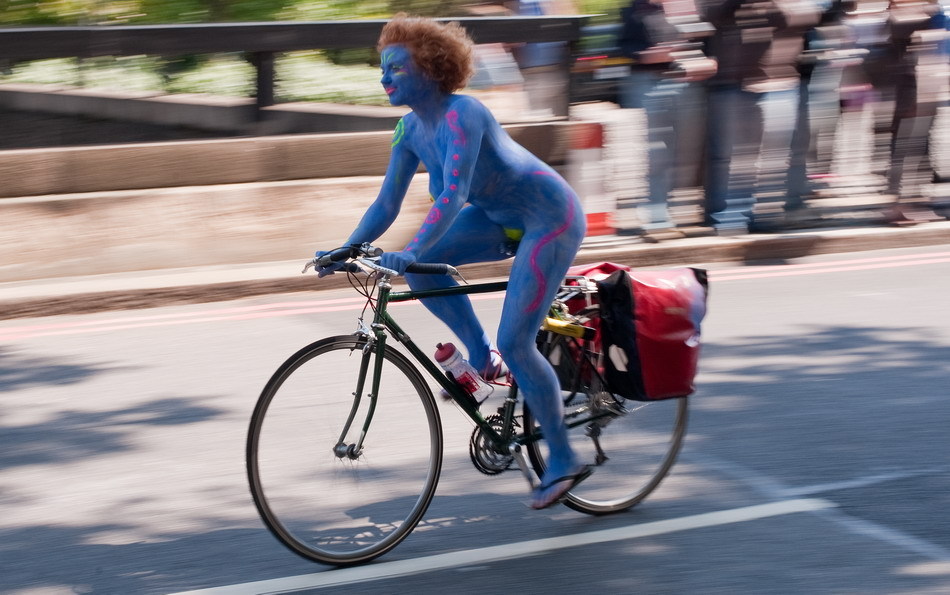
point(650, 331)
point(588, 273)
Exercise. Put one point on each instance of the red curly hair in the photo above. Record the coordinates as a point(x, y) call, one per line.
point(442, 50)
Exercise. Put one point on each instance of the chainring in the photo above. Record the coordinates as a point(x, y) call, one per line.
point(485, 458)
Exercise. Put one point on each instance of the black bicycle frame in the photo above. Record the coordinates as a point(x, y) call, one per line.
point(383, 323)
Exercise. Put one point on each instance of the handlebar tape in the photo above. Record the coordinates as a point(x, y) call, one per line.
point(337, 255)
point(430, 268)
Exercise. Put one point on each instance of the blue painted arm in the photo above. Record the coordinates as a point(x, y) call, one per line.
point(461, 140)
point(403, 164)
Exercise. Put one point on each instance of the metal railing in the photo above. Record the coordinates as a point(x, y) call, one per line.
point(261, 41)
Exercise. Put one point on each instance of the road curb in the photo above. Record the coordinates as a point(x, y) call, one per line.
point(632, 252)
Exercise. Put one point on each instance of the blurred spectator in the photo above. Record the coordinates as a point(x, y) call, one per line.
point(663, 83)
point(830, 49)
point(495, 67)
point(918, 71)
point(752, 108)
point(544, 66)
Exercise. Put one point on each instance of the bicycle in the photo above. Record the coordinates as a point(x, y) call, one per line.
point(344, 448)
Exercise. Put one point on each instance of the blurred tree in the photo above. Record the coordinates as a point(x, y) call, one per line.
point(72, 12)
point(437, 8)
point(170, 68)
point(209, 11)
point(43, 12)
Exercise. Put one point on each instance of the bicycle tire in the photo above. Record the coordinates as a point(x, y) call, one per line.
point(642, 443)
point(326, 506)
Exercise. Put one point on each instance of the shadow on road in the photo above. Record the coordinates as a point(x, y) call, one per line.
point(72, 435)
point(19, 371)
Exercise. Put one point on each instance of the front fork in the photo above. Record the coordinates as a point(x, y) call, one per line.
point(355, 450)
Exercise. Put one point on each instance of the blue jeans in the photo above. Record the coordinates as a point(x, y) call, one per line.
point(749, 145)
point(672, 109)
point(818, 113)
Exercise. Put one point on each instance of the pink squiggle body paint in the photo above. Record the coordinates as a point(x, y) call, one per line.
point(539, 275)
point(435, 214)
point(453, 119)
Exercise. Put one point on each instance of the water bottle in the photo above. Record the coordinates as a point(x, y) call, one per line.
point(462, 372)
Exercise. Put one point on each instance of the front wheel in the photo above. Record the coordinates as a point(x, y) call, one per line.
point(317, 493)
point(632, 444)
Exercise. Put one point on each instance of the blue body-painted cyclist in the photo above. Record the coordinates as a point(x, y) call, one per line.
point(490, 194)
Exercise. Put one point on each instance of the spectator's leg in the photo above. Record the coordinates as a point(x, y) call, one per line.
point(723, 213)
point(660, 104)
point(771, 170)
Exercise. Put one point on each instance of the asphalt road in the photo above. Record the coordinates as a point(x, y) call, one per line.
point(816, 461)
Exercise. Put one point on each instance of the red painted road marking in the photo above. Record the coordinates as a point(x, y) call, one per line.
point(718, 276)
point(227, 314)
point(850, 261)
point(239, 309)
point(282, 309)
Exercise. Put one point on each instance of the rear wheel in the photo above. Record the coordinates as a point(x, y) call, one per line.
point(316, 494)
point(633, 444)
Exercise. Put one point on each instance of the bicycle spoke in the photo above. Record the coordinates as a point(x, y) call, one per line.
point(317, 493)
point(632, 444)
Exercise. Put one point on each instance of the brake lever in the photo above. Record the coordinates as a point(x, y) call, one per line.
point(312, 263)
point(371, 265)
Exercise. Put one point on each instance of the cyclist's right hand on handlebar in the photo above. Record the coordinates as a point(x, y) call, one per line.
point(329, 269)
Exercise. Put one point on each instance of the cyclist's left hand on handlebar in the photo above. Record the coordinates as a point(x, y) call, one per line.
point(323, 271)
point(397, 261)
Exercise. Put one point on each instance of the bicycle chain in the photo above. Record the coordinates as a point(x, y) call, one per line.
point(485, 458)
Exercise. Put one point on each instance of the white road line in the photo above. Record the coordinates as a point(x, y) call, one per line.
point(397, 568)
point(770, 488)
point(893, 537)
point(860, 482)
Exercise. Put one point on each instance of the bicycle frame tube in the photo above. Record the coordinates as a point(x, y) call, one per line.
point(382, 321)
point(435, 371)
point(383, 318)
point(405, 296)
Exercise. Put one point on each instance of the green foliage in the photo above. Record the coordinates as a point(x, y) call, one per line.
point(429, 8)
point(609, 8)
point(330, 10)
point(308, 76)
point(339, 75)
point(85, 12)
point(301, 76)
point(209, 11)
point(44, 12)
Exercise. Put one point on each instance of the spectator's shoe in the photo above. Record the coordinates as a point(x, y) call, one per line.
point(904, 215)
point(661, 234)
point(767, 224)
point(729, 222)
point(800, 217)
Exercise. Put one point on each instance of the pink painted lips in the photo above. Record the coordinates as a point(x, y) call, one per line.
point(390, 90)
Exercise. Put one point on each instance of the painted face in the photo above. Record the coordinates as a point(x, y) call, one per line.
point(403, 81)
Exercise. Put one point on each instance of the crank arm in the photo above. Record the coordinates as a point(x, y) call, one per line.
point(518, 453)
